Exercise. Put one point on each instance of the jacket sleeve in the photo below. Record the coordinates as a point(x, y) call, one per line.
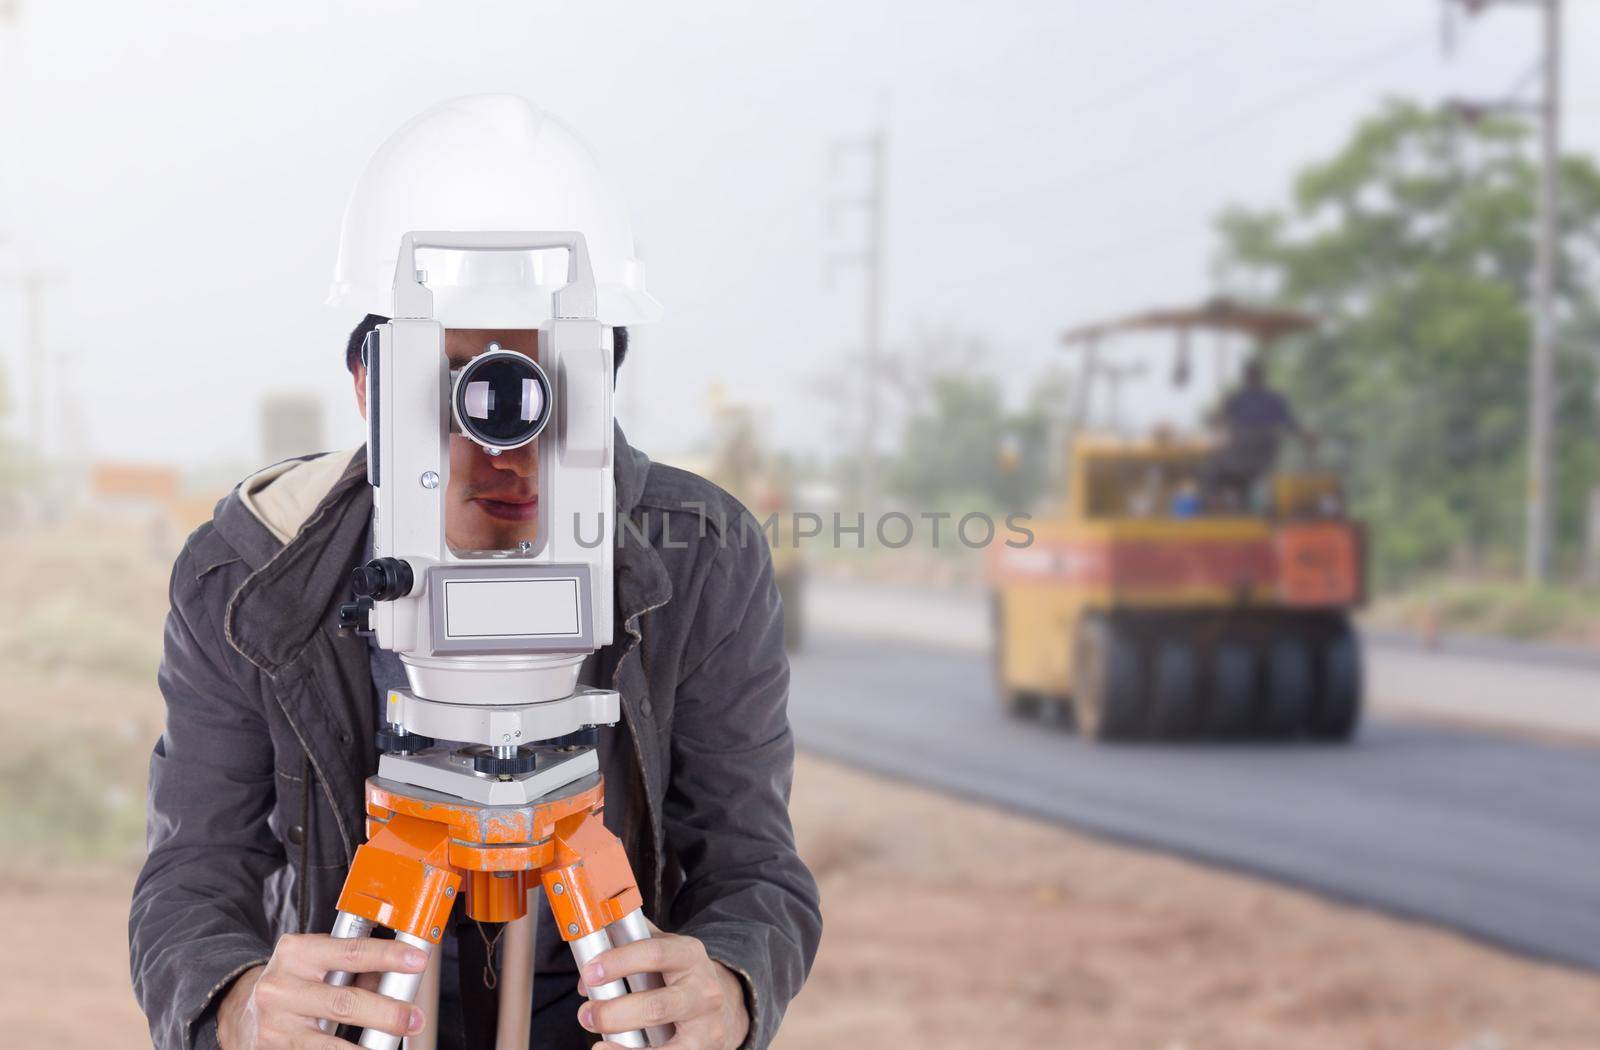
point(746, 894)
point(197, 919)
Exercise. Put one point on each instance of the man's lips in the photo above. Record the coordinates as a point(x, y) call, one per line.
point(509, 509)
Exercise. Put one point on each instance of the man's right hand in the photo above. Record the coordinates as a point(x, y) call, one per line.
point(278, 1005)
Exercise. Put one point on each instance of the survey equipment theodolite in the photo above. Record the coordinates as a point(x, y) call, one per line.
point(487, 787)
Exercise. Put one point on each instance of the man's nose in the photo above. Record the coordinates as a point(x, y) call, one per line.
point(523, 462)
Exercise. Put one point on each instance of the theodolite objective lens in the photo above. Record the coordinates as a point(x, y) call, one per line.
point(501, 399)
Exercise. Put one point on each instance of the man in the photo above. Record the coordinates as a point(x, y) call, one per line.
point(256, 802)
point(1253, 421)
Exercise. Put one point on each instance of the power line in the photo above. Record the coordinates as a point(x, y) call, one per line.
point(1123, 247)
point(1237, 122)
point(1100, 101)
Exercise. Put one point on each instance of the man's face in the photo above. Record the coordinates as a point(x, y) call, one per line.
point(492, 502)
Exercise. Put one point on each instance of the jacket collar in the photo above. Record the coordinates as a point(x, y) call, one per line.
point(641, 579)
point(294, 585)
point(280, 606)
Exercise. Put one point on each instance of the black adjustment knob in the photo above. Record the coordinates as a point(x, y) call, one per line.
point(486, 761)
point(588, 736)
point(353, 616)
point(391, 739)
point(382, 579)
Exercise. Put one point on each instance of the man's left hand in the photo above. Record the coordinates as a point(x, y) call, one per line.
point(702, 998)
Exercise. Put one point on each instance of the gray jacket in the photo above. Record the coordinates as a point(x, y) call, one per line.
point(256, 783)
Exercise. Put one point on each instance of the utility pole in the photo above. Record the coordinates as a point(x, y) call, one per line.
point(33, 283)
point(1542, 393)
point(870, 256)
point(1542, 405)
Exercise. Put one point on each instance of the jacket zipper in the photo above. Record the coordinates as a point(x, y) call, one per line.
point(631, 625)
point(308, 778)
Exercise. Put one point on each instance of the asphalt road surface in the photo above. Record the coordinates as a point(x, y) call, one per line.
point(1497, 836)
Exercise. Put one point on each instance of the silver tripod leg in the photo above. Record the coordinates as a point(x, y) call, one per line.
point(400, 986)
point(584, 949)
point(632, 927)
point(516, 978)
point(345, 925)
point(428, 999)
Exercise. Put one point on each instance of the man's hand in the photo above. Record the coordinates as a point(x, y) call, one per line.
point(278, 1005)
point(703, 998)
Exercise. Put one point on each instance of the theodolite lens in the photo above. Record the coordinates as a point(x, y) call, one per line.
point(501, 399)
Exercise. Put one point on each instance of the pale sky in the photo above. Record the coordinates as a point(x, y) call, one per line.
point(182, 166)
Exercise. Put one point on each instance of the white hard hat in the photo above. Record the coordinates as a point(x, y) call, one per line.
point(487, 163)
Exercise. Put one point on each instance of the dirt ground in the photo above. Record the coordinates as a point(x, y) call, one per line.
point(950, 926)
point(954, 926)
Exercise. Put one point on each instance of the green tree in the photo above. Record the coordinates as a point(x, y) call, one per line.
point(960, 445)
point(1414, 242)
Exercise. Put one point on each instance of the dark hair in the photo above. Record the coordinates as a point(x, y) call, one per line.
point(358, 336)
point(619, 347)
point(352, 349)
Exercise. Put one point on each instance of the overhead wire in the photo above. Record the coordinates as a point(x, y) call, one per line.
point(1231, 125)
point(1131, 246)
point(1102, 100)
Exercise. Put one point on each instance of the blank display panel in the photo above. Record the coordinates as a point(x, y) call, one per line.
point(547, 607)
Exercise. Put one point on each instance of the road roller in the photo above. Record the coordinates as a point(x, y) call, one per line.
point(1143, 609)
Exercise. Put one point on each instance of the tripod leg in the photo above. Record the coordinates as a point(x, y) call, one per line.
point(401, 986)
point(401, 879)
point(632, 927)
point(590, 888)
point(584, 949)
point(428, 999)
point(516, 981)
point(345, 925)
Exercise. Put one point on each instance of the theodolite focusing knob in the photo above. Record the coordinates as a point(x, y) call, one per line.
point(382, 579)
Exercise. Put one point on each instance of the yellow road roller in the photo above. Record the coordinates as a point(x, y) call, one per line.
point(1147, 608)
